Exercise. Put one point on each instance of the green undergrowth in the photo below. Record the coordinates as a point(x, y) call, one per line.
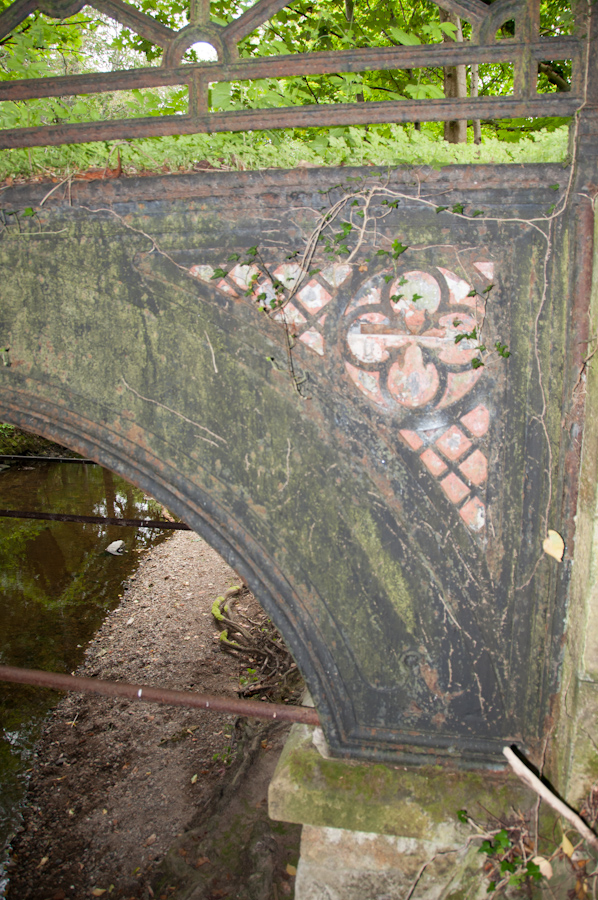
point(14, 442)
point(380, 145)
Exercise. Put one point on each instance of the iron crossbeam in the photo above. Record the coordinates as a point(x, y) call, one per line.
point(94, 520)
point(13, 457)
point(289, 65)
point(146, 694)
point(312, 116)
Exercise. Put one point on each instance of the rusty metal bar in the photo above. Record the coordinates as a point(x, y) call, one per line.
point(474, 11)
point(94, 520)
point(287, 66)
point(16, 13)
point(311, 116)
point(61, 459)
point(252, 18)
point(137, 21)
point(144, 693)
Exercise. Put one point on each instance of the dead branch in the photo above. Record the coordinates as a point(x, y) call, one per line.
point(527, 776)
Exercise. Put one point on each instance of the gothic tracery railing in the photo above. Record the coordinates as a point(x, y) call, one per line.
point(525, 52)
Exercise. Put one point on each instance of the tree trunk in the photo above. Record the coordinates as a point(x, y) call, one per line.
point(455, 85)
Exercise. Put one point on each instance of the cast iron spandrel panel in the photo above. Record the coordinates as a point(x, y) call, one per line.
point(387, 499)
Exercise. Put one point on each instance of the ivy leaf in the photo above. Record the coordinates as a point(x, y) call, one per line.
point(235, 257)
point(477, 212)
point(28, 211)
point(440, 209)
point(387, 278)
point(472, 293)
point(476, 363)
point(487, 289)
point(252, 251)
point(395, 299)
point(398, 248)
point(533, 871)
point(554, 187)
point(382, 252)
point(461, 813)
point(219, 273)
point(346, 228)
point(458, 208)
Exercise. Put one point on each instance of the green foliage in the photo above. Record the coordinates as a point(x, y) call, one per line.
point(87, 42)
point(224, 756)
point(475, 335)
point(249, 678)
point(512, 868)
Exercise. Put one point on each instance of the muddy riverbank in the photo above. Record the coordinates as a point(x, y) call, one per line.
point(131, 800)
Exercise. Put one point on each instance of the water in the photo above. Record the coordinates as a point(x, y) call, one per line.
point(56, 586)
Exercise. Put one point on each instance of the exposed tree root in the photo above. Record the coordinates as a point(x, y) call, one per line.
point(268, 668)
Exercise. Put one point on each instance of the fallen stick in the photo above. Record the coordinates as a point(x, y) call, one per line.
point(526, 775)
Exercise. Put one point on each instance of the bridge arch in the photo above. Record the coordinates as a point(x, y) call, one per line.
point(343, 455)
point(195, 507)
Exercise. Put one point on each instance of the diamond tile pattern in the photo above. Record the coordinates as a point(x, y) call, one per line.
point(433, 462)
point(314, 296)
point(453, 443)
point(454, 488)
point(475, 468)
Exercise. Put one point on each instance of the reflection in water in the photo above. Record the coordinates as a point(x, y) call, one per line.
point(56, 586)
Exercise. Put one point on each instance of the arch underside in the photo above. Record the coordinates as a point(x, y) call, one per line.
point(337, 497)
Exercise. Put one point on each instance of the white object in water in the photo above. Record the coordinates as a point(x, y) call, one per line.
point(115, 548)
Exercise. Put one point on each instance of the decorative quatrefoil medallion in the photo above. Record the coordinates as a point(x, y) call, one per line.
point(399, 348)
point(401, 340)
point(401, 353)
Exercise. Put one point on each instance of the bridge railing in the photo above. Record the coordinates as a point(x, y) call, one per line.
point(525, 51)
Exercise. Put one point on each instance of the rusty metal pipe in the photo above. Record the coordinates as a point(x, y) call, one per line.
point(13, 457)
point(93, 520)
point(145, 693)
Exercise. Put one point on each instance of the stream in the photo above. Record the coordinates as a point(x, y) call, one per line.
point(57, 584)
